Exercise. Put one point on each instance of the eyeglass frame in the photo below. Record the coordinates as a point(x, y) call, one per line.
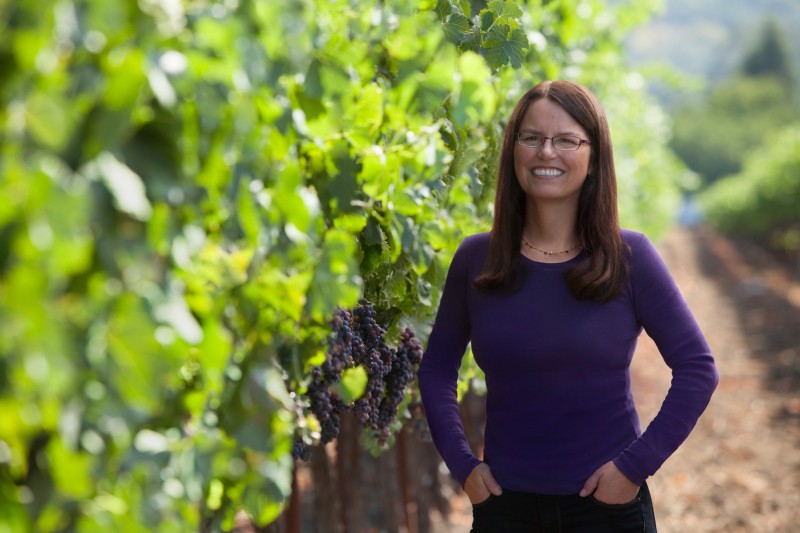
point(552, 140)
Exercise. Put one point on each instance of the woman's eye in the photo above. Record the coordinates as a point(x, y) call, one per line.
point(566, 141)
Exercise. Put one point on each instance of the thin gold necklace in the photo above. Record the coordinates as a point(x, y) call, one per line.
point(548, 252)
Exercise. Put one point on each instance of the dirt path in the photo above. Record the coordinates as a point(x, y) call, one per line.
point(739, 471)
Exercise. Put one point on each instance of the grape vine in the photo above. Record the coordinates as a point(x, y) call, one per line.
point(230, 176)
point(357, 340)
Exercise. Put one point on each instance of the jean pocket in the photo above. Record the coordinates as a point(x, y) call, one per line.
point(633, 503)
point(484, 503)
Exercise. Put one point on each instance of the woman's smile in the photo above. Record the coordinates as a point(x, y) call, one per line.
point(546, 172)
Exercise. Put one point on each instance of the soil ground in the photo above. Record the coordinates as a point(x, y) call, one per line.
point(739, 470)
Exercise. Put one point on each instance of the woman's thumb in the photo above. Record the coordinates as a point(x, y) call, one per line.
point(491, 483)
point(590, 485)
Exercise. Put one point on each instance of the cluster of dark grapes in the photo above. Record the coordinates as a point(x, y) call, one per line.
point(300, 450)
point(405, 358)
point(358, 340)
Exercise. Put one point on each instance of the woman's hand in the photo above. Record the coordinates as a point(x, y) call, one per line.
point(481, 483)
point(609, 485)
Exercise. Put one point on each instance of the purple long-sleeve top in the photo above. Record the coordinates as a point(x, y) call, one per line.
point(558, 400)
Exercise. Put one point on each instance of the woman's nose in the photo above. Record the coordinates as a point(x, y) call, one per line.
point(547, 149)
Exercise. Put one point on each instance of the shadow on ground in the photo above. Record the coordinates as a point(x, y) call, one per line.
point(766, 298)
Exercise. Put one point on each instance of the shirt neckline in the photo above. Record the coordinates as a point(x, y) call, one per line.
point(552, 266)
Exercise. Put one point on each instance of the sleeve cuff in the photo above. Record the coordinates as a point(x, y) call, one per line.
point(629, 471)
point(462, 474)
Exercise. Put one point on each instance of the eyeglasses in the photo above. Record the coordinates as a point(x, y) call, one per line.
point(560, 142)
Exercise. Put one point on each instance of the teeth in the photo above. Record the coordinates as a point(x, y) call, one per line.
point(547, 172)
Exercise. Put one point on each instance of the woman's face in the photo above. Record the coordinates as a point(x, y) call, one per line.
point(545, 173)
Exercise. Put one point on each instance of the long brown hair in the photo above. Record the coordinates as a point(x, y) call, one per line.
point(603, 273)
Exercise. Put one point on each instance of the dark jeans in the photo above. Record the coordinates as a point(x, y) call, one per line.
point(526, 512)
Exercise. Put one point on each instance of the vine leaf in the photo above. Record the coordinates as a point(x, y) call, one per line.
point(125, 186)
point(505, 8)
point(457, 28)
point(504, 45)
point(352, 385)
point(444, 8)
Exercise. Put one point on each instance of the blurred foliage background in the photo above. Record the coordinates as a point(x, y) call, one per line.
point(190, 188)
point(729, 76)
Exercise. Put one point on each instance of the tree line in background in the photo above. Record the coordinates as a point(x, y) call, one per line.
point(743, 140)
point(192, 189)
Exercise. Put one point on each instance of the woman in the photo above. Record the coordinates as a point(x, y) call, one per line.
point(553, 300)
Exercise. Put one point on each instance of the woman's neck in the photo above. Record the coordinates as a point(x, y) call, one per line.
point(553, 226)
point(550, 234)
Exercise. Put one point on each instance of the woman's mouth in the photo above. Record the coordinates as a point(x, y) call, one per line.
point(547, 172)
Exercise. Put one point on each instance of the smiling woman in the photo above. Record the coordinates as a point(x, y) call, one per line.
point(553, 301)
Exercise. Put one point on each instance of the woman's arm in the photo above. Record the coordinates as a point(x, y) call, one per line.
point(665, 316)
point(438, 371)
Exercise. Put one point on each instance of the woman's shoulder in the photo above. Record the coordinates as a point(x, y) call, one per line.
point(632, 238)
point(473, 248)
point(476, 241)
point(638, 243)
point(644, 256)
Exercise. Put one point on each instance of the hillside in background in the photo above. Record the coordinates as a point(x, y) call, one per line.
point(708, 39)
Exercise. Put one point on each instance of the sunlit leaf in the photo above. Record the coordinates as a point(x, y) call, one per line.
point(336, 282)
point(505, 8)
point(476, 101)
point(457, 27)
point(71, 470)
point(125, 186)
point(175, 312)
point(444, 8)
point(505, 45)
point(352, 384)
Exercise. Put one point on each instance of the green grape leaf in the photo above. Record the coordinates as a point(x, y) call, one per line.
point(71, 470)
point(457, 28)
point(504, 45)
point(247, 212)
point(313, 80)
point(336, 282)
point(341, 188)
point(444, 8)
point(487, 19)
point(352, 384)
point(373, 233)
point(505, 8)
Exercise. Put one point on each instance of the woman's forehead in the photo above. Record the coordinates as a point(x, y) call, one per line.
point(546, 115)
